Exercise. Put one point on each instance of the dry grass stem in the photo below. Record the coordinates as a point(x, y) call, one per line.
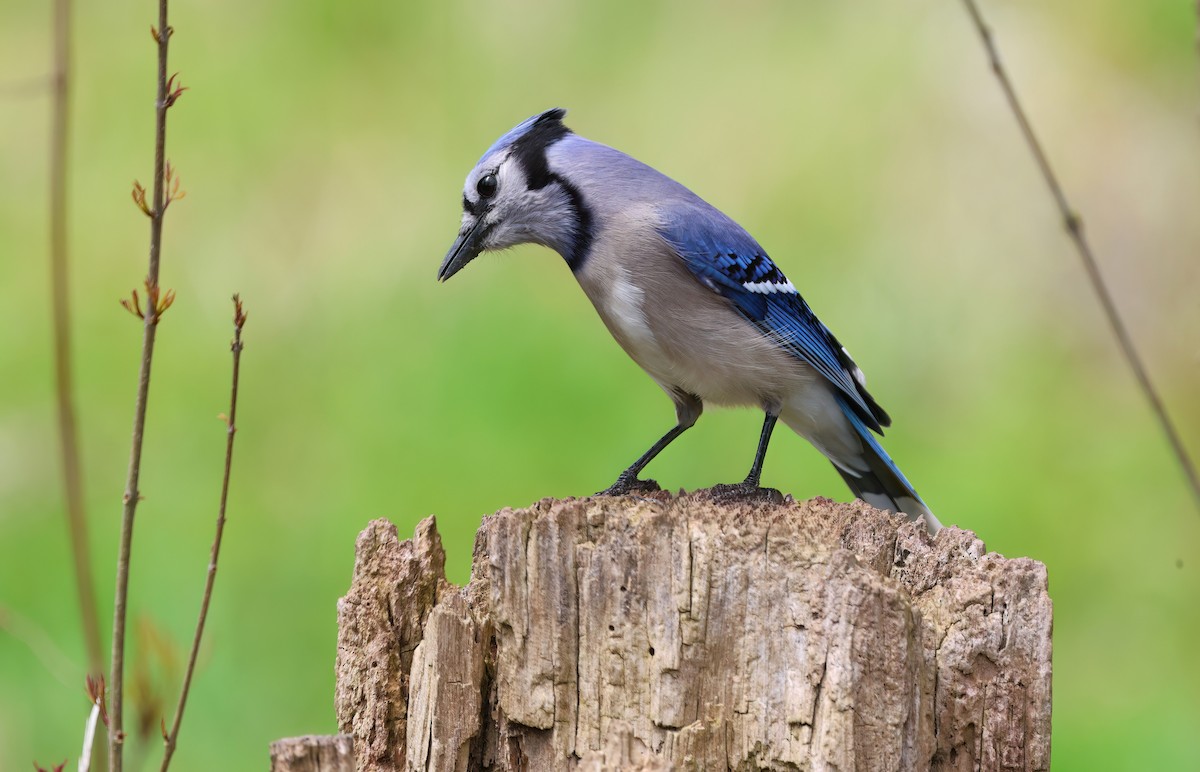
point(1074, 226)
point(60, 295)
point(89, 736)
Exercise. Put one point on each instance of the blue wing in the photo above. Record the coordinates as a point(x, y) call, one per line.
point(726, 259)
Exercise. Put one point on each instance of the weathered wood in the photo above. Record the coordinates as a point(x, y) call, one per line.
point(313, 753)
point(680, 633)
point(381, 621)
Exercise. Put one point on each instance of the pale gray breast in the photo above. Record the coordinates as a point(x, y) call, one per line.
point(682, 333)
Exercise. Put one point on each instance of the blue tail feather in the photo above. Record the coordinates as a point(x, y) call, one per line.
point(883, 486)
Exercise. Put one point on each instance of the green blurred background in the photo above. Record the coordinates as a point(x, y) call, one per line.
point(323, 148)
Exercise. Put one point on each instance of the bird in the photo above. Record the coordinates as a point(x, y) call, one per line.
point(688, 294)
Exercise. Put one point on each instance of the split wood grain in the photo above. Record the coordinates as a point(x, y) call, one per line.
point(682, 633)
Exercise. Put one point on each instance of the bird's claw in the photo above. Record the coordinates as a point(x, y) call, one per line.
point(744, 491)
point(629, 484)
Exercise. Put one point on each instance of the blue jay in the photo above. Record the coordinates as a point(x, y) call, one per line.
point(687, 293)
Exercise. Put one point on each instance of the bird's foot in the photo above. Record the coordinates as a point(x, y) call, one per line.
point(629, 484)
point(728, 493)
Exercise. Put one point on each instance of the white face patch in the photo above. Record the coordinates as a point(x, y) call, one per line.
point(498, 166)
point(770, 287)
point(515, 214)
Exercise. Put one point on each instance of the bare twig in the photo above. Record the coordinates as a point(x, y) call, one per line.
point(239, 321)
point(1074, 225)
point(60, 304)
point(156, 305)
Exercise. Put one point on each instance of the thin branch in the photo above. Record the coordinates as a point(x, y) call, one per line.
point(1074, 225)
point(239, 321)
point(60, 292)
point(153, 312)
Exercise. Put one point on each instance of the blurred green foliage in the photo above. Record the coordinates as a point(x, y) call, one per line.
point(323, 147)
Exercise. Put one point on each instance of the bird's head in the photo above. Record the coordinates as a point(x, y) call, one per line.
point(514, 196)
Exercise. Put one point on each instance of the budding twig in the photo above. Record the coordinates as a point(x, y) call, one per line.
point(171, 737)
point(157, 303)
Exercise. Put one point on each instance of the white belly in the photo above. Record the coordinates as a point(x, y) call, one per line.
point(685, 335)
point(699, 345)
point(626, 309)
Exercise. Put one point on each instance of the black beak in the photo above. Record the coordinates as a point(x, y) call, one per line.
point(466, 248)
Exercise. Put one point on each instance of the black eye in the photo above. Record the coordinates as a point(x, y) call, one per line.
point(487, 186)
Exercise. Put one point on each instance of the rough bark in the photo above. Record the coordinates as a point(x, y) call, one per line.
point(680, 633)
point(381, 621)
point(313, 753)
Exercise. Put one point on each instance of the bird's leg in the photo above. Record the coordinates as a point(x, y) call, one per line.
point(628, 482)
point(687, 409)
point(764, 440)
point(748, 488)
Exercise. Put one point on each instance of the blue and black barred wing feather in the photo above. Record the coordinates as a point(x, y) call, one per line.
point(722, 256)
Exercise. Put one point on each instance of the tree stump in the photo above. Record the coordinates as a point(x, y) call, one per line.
point(670, 632)
point(313, 753)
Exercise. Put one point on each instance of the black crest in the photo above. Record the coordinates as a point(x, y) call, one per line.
point(529, 149)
